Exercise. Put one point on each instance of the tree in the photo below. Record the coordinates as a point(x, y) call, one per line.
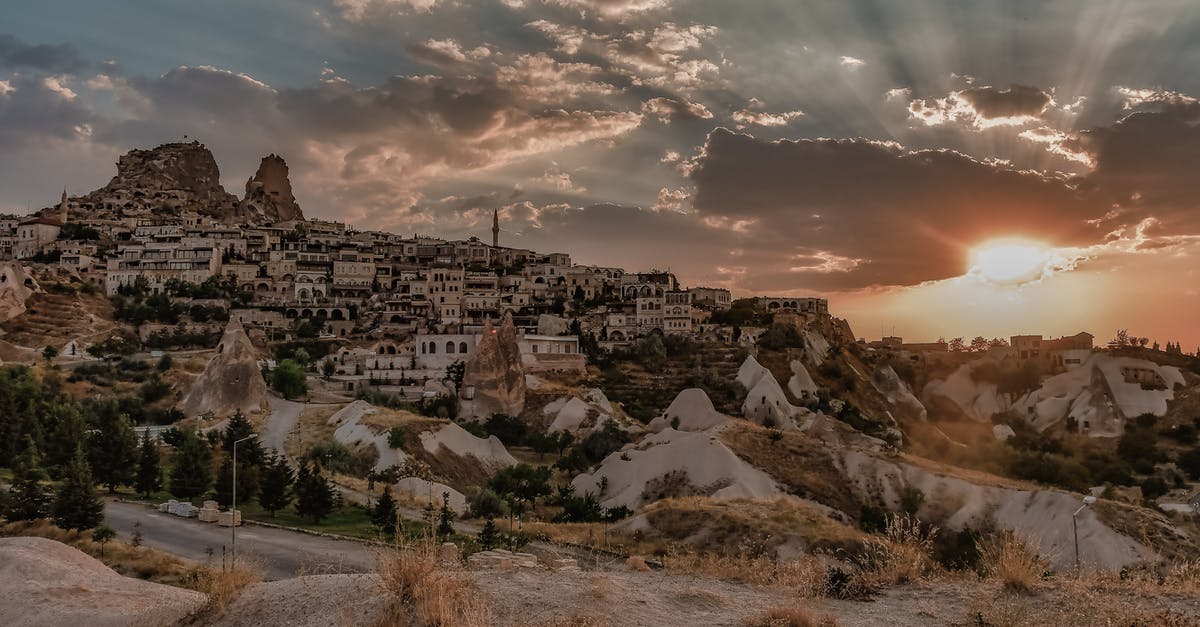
point(957, 345)
point(489, 536)
point(149, 477)
point(27, 498)
point(384, 516)
point(49, 353)
point(979, 344)
point(277, 480)
point(250, 451)
point(445, 517)
point(191, 474)
point(314, 496)
point(455, 373)
point(102, 535)
point(114, 449)
point(328, 367)
point(289, 379)
point(521, 483)
point(76, 506)
point(247, 482)
point(164, 362)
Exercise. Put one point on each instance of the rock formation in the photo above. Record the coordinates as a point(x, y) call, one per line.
point(163, 180)
point(43, 582)
point(493, 375)
point(231, 381)
point(16, 286)
point(269, 193)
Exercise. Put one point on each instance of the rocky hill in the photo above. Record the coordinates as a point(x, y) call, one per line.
point(183, 176)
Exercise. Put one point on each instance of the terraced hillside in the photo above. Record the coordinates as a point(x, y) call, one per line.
point(55, 317)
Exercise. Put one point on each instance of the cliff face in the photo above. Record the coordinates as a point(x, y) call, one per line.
point(180, 177)
point(269, 193)
point(163, 180)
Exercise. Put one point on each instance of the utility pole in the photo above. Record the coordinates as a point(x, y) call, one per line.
point(233, 513)
point(1087, 500)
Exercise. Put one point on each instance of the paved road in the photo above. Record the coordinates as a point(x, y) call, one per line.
point(282, 420)
point(284, 553)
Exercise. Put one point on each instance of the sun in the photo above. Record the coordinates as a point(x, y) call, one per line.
point(1010, 261)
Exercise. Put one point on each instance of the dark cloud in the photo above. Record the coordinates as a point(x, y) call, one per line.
point(866, 213)
point(1145, 165)
point(1016, 101)
point(58, 58)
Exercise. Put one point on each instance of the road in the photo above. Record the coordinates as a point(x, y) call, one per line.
point(282, 420)
point(284, 553)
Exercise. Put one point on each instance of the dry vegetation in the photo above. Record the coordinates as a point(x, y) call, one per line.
point(427, 589)
point(140, 562)
point(708, 524)
point(1013, 561)
point(794, 616)
point(803, 465)
point(312, 427)
point(223, 585)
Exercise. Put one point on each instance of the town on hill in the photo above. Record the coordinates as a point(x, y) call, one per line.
point(532, 432)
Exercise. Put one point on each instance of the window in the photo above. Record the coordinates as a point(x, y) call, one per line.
point(450, 348)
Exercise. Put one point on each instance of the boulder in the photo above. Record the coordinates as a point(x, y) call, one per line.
point(231, 382)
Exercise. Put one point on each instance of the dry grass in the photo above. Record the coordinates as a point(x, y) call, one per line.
point(794, 616)
point(903, 554)
point(1013, 561)
point(805, 576)
point(223, 585)
point(312, 427)
point(424, 589)
point(140, 562)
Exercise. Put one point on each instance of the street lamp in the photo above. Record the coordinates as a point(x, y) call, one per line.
point(233, 509)
point(1087, 500)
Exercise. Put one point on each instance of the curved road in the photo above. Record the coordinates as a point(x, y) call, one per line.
point(284, 553)
point(282, 420)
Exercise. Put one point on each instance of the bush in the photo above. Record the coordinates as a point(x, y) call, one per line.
point(289, 379)
point(485, 503)
point(603, 441)
point(1153, 487)
point(1189, 462)
point(335, 457)
point(396, 437)
point(1013, 561)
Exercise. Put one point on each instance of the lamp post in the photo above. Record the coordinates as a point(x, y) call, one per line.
point(1087, 500)
point(233, 508)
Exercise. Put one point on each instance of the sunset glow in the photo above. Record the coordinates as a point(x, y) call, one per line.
point(1011, 262)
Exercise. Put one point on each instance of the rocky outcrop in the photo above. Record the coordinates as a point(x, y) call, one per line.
point(43, 582)
point(231, 382)
point(16, 286)
point(163, 180)
point(269, 193)
point(493, 378)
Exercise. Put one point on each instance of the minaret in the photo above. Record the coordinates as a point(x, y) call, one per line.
point(495, 228)
point(62, 207)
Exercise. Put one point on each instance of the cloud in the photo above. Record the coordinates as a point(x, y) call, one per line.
point(447, 53)
point(54, 59)
point(1134, 98)
point(750, 117)
point(362, 10)
point(815, 224)
point(559, 180)
point(667, 109)
point(613, 8)
point(671, 200)
point(851, 62)
point(983, 107)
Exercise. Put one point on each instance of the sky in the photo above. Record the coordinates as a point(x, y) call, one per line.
point(935, 169)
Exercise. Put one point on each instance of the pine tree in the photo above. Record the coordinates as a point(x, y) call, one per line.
point(277, 480)
point(191, 475)
point(149, 478)
point(489, 536)
point(247, 481)
point(112, 447)
point(445, 517)
point(249, 452)
point(315, 498)
point(77, 506)
point(64, 437)
point(384, 516)
point(27, 498)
